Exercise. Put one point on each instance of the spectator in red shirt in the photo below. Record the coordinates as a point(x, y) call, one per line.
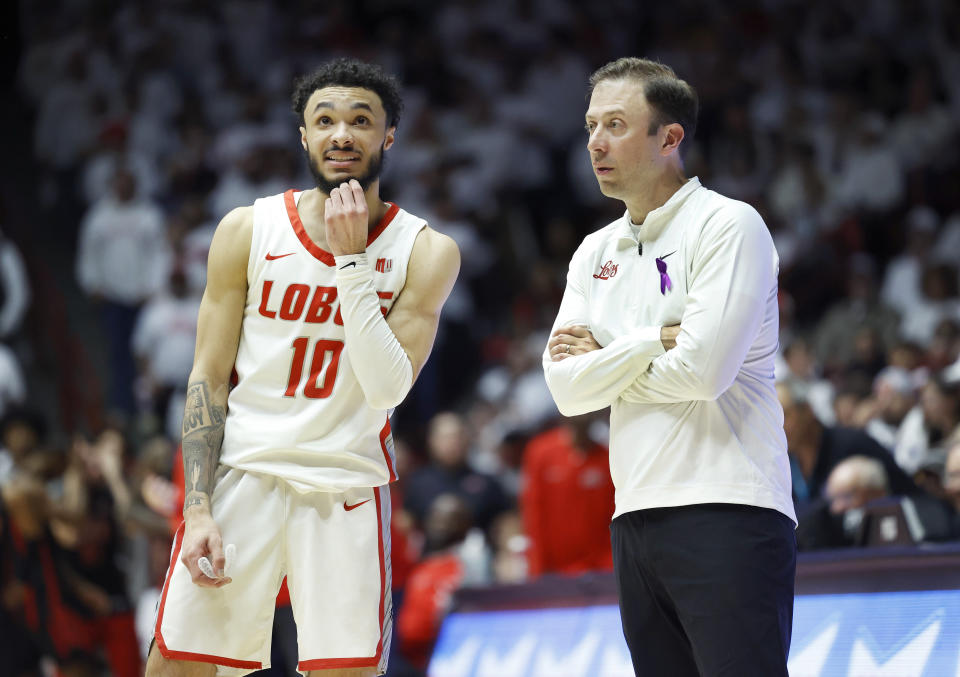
point(567, 500)
point(432, 583)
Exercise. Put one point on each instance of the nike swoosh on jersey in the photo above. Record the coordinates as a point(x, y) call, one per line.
point(347, 265)
point(272, 257)
point(348, 508)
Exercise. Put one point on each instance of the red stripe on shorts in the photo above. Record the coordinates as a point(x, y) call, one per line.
point(373, 661)
point(331, 663)
point(383, 566)
point(186, 655)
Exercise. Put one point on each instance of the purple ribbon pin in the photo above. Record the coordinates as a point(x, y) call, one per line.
point(665, 282)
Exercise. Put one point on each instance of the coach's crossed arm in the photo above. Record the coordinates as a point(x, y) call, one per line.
point(583, 376)
point(734, 277)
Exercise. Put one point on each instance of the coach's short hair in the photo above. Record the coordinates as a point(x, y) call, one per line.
point(672, 99)
point(346, 72)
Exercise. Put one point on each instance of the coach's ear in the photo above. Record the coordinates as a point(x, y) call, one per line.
point(388, 139)
point(672, 136)
point(303, 137)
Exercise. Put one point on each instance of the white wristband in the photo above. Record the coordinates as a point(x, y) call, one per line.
point(351, 263)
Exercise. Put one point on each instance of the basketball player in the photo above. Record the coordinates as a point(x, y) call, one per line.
point(703, 542)
point(325, 304)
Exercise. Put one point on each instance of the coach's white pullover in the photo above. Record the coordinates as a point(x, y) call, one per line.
point(700, 423)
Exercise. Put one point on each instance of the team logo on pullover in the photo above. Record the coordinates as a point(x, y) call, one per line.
point(608, 270)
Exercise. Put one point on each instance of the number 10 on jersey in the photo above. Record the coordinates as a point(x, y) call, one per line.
point(323, 371)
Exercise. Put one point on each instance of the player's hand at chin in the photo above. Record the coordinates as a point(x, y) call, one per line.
point(345, 218)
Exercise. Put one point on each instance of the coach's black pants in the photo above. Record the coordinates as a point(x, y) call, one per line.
point(706, 590)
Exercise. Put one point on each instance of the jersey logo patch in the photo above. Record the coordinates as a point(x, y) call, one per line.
point(608, 270)
point(348, 507)
point(384, 265)
point(274, 257)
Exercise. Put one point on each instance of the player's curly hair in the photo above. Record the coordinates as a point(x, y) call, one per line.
point(346, 72)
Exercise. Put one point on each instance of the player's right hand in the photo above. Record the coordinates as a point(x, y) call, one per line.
point(201, 538)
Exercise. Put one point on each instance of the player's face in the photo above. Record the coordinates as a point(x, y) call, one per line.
point(345, 133)
point(622, 151)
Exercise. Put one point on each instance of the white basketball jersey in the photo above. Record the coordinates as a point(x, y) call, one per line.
point(297, 410)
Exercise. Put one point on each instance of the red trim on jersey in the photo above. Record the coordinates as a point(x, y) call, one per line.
point(384, 434)
point(186, 655)
point(384, 222)
point(311, 246)
point(362, 662)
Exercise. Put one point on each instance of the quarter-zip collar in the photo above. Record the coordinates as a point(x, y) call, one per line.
point(656, 220)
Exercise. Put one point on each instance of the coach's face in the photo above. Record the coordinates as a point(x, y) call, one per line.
point(624, 154)
point(344, 133)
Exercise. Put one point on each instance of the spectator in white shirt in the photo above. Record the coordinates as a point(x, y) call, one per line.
point(948, 242)
point(920, 444)
point(122, 261)
point(13, 389)
point(191, 231)
point(871, 177)
point(894, 395)
point(113, 152)
point(940, 301)
point(901, 282)
point(862, 308)
point(801, 371)
point(14, 288)
point(245, 181)
point(923, 131)
point(548, 82)
point(122, 255)
point(163, 344)
point(67, 118)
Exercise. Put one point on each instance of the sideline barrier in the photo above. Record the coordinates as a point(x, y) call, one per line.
point(883, 612)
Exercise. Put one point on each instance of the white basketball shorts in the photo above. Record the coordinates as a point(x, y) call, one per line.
point(334, 549)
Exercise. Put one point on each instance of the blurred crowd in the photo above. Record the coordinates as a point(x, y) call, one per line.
point(149, 121)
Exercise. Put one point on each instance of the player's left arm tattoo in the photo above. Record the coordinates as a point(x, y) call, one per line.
point(204, 418)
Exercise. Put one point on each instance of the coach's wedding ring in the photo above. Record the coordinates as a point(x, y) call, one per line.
point(567, 346)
